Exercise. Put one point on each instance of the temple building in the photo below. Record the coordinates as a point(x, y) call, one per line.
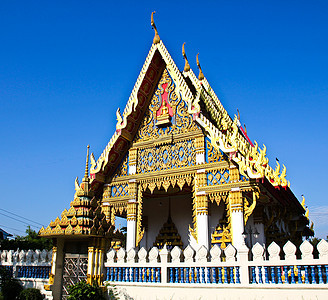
point(181, 171)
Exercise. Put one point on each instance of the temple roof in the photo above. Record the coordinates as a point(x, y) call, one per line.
point(225, 134)
point(84, 217)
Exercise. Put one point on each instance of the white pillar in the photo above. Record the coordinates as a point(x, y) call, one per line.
point(202, 213)
point(237, 216)
point(131, 224)
point(131, 234)
point(202, 228)
point(237, 226)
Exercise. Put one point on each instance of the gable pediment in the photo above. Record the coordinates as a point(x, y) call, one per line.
point(166, 103)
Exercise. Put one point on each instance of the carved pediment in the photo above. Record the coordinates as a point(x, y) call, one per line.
point(167, 113)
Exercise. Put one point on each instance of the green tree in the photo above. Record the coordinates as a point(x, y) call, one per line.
point(31, 294)
point(84, 291)
point(30, 241)
point(10, 288)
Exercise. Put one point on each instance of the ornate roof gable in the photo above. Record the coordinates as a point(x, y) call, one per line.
point(161, 79)
point(158, 67)
point(167, 113)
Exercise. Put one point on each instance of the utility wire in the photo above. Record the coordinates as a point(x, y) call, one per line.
point(11, 228)
point(18, 220)
point(20, 216)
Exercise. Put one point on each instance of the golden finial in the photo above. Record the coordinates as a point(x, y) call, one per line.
point(303, 201)
point(245, 129)
point(156, 39)
point(238, 114)
point(86, 174)
point(307, 213)
point(201, 75)
point(312, 225)
point(187, 66)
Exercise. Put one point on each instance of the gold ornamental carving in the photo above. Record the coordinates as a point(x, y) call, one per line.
point(182, 122)
point(140, 230)
point(236, 201)
point(201, 204)
point(249, 206)
point(180, 154)
point(131, 211)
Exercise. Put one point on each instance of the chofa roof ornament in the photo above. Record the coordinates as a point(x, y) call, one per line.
point(201, 75)
point(187, 66)
point(156, 39)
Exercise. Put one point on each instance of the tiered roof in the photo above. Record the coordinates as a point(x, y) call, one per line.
point(84, 217)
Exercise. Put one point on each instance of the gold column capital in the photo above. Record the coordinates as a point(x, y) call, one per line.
point(235, 200)
point(201, 203)
point(131, 210)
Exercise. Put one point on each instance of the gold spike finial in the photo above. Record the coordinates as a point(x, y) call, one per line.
point(238, 114)
point(201, 75)
point(187, 66)
point(312, 225)
point(86, 174)
point(156, 39)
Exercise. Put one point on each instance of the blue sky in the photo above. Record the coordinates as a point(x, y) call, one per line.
point(65, 67)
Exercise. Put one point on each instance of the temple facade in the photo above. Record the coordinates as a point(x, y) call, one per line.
point(182, 172)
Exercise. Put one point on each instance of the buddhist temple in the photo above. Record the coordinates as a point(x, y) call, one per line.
point(182, 171)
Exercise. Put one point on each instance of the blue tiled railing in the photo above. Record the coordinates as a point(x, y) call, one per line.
point(306, 274)
point(33, 272)
point(216, 275)
point(134, 274)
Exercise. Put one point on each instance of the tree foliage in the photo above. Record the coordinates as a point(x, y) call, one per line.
point(84, 291)
point(31, 294)
point(30, 241)
point(10, 288)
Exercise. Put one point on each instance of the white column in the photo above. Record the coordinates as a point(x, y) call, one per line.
point(202, 227)
point(202, 215)
point(131, 224)
point(237, 227)
point(131, 234)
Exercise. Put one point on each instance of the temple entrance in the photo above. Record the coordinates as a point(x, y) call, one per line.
point(166, 217)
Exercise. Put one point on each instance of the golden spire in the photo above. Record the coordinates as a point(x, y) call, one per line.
point(86, 174)
point(187, 66)
point(201, 75)
point(156, 39)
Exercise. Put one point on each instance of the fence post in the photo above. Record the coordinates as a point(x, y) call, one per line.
point(164, 254)
point(242, 258)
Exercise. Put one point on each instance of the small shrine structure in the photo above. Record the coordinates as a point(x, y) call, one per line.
point(181, 171)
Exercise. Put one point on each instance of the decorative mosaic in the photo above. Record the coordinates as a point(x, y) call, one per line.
point(180, 154)
point(243, 178)
point(181, 120)
point(211, 154)
point(215, 177)
point(119, 190)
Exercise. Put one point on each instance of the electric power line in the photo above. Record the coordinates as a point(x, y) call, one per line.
point(19, 220)
point(11, 228)
point(20, 216)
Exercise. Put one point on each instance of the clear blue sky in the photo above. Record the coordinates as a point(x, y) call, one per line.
point(65, 67)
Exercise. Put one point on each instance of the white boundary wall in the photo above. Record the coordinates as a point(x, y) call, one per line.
point(200, 274)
